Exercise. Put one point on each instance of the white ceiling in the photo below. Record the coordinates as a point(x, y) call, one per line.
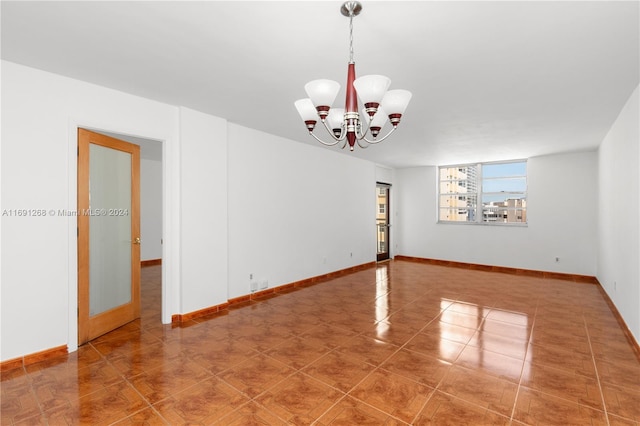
point(490, 80)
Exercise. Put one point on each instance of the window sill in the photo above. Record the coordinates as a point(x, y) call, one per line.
point(506, 225)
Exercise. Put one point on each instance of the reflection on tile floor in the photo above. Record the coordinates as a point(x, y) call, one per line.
point(400, 343)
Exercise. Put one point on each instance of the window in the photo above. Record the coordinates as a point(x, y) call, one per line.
point(493, 193)
point(382, 208)
point(458, 193)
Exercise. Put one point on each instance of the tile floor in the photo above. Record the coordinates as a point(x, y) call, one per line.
point(401, 343)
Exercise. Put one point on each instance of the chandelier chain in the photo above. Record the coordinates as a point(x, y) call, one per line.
point(351, 35)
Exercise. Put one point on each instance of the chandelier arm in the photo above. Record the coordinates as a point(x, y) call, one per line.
point(373, 142)
point(323, 142)
point(343, 134)
point(363, 133)
point(360, 145)
point(344, 145)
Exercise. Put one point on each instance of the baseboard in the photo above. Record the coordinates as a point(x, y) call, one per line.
point(23, 361)
point(623, 325)
point(270, 292)
point(539, 274)
point(180, 318)
point(503, 269)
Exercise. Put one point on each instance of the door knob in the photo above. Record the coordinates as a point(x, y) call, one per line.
point(137, 240)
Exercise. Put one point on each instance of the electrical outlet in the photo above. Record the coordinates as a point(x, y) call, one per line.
point(557, 259)
point(351, 254)
point(254, 287)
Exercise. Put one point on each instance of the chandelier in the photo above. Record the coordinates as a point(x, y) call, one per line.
point(345, 124)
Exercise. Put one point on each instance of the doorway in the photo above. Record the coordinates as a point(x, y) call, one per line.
point(108, 234)
point(383, 240)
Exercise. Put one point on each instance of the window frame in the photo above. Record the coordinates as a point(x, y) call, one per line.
point(477, 211)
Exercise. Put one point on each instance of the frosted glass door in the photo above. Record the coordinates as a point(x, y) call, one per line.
point(108, 234)
point(109, 228)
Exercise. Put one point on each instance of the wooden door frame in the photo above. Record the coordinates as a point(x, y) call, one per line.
point(170, 213)
point(387, 254)
point(101, 323)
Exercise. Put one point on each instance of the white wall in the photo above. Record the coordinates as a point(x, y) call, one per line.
point(619, 217)
point(150, 209)
point(40, 116)
point(203, 230)
point(561, 203)
point(278, 209)
point(384, 174)
point(295, 210)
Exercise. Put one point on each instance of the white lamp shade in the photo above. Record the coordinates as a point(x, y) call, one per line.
point(380, 119)
point(396, 101)
point(322, 92)
point(335, 117)
point(371, 88)
point(306, 109)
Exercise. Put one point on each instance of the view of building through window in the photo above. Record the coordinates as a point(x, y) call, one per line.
point(382, 219)
point(483, 193)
